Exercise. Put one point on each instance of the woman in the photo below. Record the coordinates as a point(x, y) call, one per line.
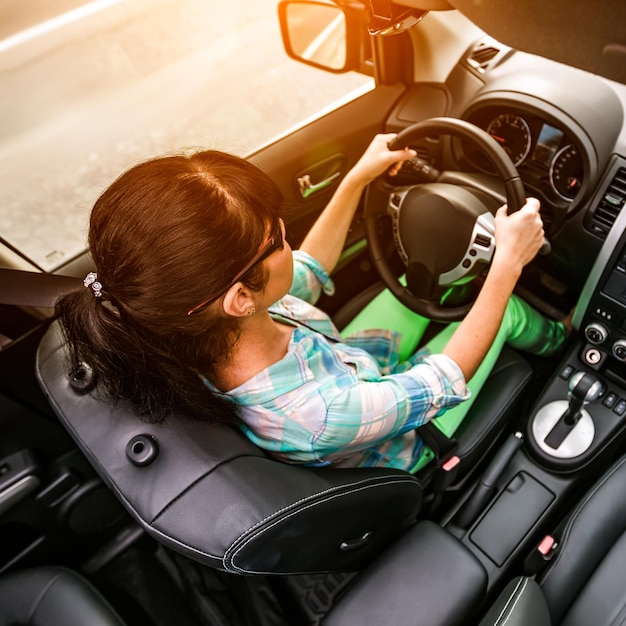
point(198, 303)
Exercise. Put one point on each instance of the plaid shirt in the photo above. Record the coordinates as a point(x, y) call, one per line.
point(349, 401)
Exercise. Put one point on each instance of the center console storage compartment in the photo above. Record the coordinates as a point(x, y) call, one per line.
point(511, 517)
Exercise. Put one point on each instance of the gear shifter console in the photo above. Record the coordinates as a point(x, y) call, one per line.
point(565, 429)
point(583, 389)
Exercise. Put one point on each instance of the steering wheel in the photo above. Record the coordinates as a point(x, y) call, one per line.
point(443, 229)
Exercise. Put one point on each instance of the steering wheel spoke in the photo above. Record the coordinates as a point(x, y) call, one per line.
point(478, 254)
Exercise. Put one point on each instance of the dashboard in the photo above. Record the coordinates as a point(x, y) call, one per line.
point(565, 132)
point(562, 128)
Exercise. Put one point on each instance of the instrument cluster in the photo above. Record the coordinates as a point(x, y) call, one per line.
point(545, 154)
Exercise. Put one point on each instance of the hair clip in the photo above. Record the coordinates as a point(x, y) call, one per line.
point(91, 280)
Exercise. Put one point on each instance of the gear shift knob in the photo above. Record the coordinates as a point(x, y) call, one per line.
point(583, 389)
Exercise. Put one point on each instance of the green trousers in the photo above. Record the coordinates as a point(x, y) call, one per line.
point(522, 327)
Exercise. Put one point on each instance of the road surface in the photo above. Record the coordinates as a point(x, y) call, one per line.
point(92, 94)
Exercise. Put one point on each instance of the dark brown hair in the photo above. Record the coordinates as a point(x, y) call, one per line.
point(166, 235)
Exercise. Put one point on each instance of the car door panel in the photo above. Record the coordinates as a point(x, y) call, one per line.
point(337, 137)
point(324, 150)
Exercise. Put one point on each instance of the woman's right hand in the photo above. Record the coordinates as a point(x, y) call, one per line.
point(519, 236)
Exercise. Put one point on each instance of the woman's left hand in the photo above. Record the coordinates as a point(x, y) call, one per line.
point(378, 158)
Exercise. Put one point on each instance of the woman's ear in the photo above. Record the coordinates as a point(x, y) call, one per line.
point(238, 301)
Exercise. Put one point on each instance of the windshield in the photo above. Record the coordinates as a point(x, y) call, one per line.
point(89, 89)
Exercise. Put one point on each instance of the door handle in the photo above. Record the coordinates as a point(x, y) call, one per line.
point(308, 188)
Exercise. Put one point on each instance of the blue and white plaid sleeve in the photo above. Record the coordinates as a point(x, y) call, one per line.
point(309, 278)
point(329, 404)
point(366, 414)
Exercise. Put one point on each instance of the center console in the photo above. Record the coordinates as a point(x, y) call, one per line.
point(591, 382)
point(573, 431)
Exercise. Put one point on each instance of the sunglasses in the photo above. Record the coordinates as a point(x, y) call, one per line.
point(274, 242)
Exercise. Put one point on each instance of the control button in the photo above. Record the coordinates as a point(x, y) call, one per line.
point(466, 263)
point(547, 545)
point(610, 399)
point(593, 356)
point(451, 463)
point(596, 333)
point(619, 349)
point(566, 372)
point(482, 240)
point(613, 199)
point(396, 200)
point(620, 408)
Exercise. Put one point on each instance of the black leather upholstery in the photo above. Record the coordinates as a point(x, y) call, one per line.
point(52, 596)
point(214, 496)
point(428, 578)
point(585, 581)
point(521, 603)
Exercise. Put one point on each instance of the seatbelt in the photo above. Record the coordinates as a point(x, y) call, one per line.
point(442, 445)
point(446, 462)
point(37, 289)
point(539, 558)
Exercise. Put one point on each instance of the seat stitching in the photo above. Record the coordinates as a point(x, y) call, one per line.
point(359, 485)
point(516, 595)
point(252, 536)
point(619, 618)
point(409, 479)
point(42, 594)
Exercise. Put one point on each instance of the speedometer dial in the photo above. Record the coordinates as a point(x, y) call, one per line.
point(566, 173)
point(512, 133)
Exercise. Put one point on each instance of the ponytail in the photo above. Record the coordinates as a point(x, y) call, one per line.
point(164, 236)
point(132, 366)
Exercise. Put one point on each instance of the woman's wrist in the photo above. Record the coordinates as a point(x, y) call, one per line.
point(502, 263)
point(503, 275)
point(353, 182)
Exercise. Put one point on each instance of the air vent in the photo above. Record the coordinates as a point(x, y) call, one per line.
point(481, 56)
point(610, 205)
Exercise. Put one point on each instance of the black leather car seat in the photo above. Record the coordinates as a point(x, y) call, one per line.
point(52, 596)
point(585, 581)
point(209, 493)
point(430, 578)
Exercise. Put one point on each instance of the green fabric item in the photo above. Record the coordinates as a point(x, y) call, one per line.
point(522, 328)
point(387, 312)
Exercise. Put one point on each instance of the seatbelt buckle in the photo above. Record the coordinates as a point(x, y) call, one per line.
point(446, 473)
point(541, 555)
